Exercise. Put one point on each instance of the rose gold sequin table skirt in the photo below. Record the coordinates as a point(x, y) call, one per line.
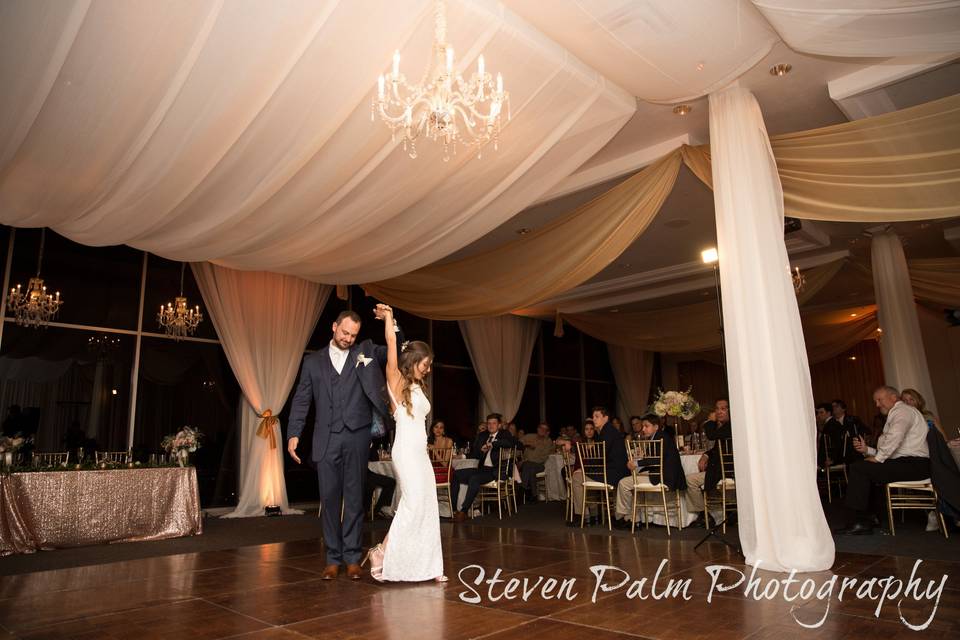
point(46, 510)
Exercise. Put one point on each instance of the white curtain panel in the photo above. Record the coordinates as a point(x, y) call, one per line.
point(780, 518)
point(264, 321)
point(866, 28)
point(500, 349)
point(240, 132)
point(901, 346)
point(633, 372)
point(659, 50)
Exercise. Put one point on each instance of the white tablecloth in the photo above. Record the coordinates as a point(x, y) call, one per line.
point(385, 468)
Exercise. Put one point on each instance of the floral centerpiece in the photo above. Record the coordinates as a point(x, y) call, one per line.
point(9, 446)
point(676, 404)
point(182, 444)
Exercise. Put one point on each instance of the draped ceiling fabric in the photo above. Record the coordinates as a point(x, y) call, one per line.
point(552, 259)
point(936, 280)
point(233, 132)
point(865, 28)
point(500, 349)
point(264, 321)
point(900, 166)
point(634, 42)
point(781, 522)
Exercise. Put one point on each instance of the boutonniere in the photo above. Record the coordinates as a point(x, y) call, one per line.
point(362, 359)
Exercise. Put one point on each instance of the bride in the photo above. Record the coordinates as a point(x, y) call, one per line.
point(411, 550)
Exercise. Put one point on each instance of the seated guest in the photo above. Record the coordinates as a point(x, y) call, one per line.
point(901, 454)
point(486, 449)
point(617, 424)
point(717, 427)
point(636, 428)
point(438, 438)
point(536, 449)
point(836, 426)
point(512, 429)
point(823, 413)
point(672, 468)
point(589, 433)
point(913, 398)
point(615, 449)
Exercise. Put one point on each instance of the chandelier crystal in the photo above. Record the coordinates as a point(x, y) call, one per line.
point(35, 307)
point(799, 280)
point(443, 106)
point(176, 319)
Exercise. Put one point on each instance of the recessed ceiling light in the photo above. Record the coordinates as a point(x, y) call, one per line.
point(709, 256)
point(524, 231)
point(852, 358)
point(853, 315)
point(682, 109)
point(781, 69)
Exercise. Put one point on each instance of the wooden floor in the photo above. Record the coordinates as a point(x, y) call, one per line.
point(274, 592)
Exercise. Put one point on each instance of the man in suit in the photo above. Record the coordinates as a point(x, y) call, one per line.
point(486, 449)
point(838, 425)
point(674, 478)
point(345, 383)
point(616, 448)
point(717, 428)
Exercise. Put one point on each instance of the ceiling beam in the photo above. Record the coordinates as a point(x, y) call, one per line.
point(614, 168)
point(861, 94)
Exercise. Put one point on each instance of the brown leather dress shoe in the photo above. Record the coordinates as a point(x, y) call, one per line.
point(330, 572)
point(459, 516)
point(354, 571)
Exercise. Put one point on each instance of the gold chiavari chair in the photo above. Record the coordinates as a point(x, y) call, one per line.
point(55, 459)
point(442, 460)
point(835, 471)
point(722, 497)
point(568, 459)
point(499, 489)
point(114, 457)
point(593, 462)
point(913, 495)
point(651, 450)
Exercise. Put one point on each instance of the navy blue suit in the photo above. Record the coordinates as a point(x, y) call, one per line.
point(344, 403)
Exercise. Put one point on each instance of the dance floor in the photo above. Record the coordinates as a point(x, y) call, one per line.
point(274, 591)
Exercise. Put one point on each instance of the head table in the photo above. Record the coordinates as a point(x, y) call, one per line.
point(51, 509)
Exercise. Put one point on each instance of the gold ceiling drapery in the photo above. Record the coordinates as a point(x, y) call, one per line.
point(903, 165)
point(936, 280)
point(550, 260)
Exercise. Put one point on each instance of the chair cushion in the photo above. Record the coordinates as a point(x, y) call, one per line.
point(593, 484)
point(911, 484)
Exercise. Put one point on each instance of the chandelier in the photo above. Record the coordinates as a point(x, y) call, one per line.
point(799, 280)
point(103, 346)
point(176, 319)
point(35, 307)
point(443, 106)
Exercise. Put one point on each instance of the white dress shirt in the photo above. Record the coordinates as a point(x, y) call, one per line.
point(904, 434)
point(488, 461)
point(338, 356)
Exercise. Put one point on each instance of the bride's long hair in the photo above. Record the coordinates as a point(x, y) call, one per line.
point(410, 354)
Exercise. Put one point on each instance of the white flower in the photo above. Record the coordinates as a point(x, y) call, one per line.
point(362, 359)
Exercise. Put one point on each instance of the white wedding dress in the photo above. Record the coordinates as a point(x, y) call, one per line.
point(413, 552)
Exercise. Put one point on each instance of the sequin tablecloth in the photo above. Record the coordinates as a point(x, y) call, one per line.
point(46, 510)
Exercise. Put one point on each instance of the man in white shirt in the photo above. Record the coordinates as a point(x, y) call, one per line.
point(901, 454)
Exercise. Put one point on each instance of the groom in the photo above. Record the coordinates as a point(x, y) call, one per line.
point(345, 382)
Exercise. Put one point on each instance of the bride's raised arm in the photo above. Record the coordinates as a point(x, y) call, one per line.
point(390, 336)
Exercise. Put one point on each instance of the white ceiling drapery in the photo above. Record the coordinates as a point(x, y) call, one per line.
point(240, 132)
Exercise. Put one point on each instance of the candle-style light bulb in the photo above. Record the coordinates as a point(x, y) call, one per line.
point(380, 85)
point(396, 63)
point(480, 66)
point(449, 59)
point(499, 83)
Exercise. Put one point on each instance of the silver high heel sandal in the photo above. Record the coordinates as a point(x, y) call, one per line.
point(375, 556)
